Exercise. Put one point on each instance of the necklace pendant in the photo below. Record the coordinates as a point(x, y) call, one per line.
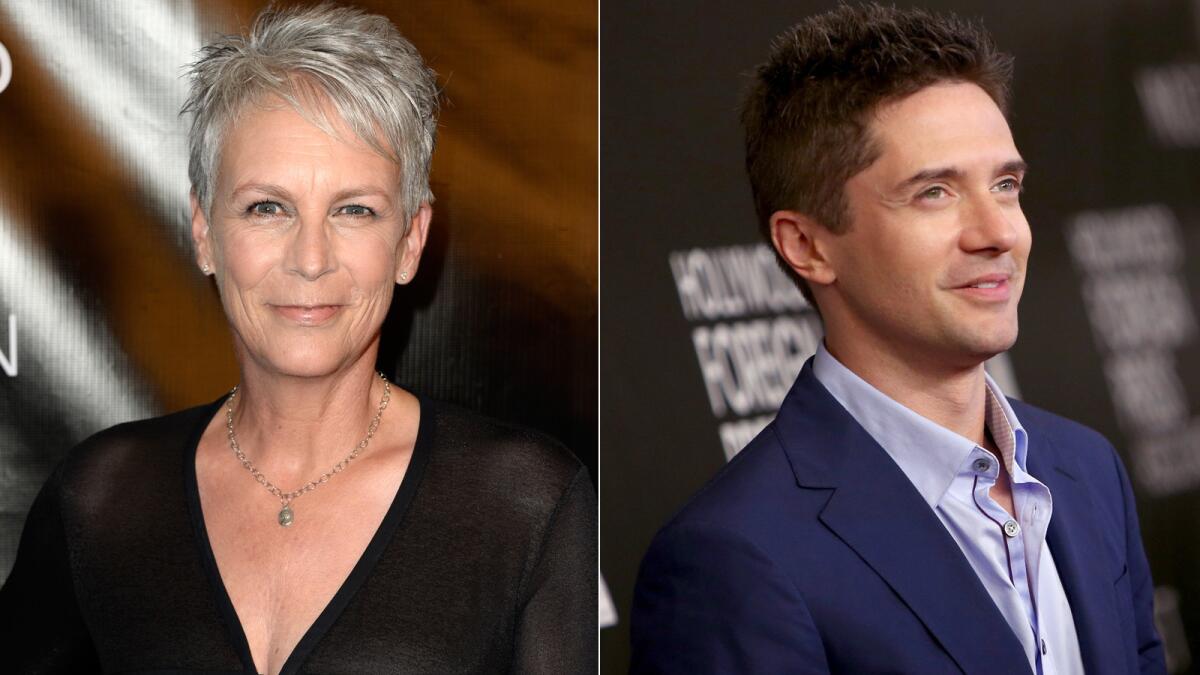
point(285, 516)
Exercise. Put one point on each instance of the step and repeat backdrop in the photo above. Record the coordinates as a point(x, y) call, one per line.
point(103, 315)
point(702, 334)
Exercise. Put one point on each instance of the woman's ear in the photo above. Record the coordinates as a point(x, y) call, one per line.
point(201, 242)
point(413, 243)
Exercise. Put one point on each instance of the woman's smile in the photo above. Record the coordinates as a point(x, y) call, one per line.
point(308, 315)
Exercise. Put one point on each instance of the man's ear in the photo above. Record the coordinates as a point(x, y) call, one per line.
point(201, 242)
point(800, 241)
point(413, 243)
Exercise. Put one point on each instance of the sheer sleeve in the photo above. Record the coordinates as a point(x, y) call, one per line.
point(557, 629)
point(41, 628)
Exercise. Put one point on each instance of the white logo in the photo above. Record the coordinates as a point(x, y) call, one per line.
point(5, 68)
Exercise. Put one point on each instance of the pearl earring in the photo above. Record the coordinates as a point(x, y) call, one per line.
point(204, 268)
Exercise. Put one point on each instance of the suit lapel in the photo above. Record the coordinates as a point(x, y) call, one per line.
point(1080, 554)
point(878, 513)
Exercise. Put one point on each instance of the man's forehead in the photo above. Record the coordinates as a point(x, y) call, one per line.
point(952, 125)
point(956, 90)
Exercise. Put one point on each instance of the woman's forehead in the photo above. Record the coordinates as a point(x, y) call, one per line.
point(274, 144)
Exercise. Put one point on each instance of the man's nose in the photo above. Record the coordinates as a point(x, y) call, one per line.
point(991, 225)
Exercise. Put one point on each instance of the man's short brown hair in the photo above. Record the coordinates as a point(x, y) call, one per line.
point(807, 114)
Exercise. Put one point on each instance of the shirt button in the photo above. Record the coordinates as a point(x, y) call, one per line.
point(982, 465)
point(1011, 528)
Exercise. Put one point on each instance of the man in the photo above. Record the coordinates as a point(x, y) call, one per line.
point(900, 515)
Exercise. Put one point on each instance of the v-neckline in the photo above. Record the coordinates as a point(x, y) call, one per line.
point(358, 574)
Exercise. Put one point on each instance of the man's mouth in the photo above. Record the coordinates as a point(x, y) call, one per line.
point(989, 288)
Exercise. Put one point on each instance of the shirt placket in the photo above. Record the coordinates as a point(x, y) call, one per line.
point(1033, 505)
point(1010, 532)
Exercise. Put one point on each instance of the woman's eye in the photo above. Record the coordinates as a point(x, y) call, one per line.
point(357, 210)
point(265, 209)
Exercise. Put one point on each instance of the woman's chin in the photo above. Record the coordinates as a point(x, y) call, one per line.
point(305, 361)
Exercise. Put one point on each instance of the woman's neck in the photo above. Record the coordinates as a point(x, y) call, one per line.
point(296, 428)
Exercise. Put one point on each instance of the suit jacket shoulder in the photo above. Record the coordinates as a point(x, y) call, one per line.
point(1065, 433)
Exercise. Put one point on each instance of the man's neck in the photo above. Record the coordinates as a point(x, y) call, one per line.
point(952, 397)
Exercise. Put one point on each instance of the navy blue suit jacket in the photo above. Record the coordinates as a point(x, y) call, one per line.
point(811, 552)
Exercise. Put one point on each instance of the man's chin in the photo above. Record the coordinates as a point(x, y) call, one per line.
point(985, 347)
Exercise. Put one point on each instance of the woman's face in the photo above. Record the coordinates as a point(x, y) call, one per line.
point(306, 240)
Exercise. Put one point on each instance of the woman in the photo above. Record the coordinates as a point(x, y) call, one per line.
point(317, 518)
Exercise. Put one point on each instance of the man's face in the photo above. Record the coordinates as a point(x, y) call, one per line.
point(933, 263)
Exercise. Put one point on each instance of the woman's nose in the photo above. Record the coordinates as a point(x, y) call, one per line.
point(310, 251)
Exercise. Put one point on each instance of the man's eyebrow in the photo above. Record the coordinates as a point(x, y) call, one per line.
point(936, 173)
point(1015, 166)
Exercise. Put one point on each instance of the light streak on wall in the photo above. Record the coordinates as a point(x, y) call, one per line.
point(87, 372)
point(122, 65)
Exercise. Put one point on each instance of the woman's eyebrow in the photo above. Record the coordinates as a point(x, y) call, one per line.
point(265, 188)
point(366, 191)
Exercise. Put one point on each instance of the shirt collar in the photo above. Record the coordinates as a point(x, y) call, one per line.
point(929, 454)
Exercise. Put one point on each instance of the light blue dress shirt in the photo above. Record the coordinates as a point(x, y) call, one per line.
point(954, 476)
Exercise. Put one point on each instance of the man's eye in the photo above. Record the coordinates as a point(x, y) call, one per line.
point(1009, 185)
point(935, 192)
point(265, 209)
point(357, 210)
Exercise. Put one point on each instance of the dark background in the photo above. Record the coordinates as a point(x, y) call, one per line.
point(672, 179)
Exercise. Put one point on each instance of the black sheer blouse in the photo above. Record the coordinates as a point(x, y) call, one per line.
point(484, 563)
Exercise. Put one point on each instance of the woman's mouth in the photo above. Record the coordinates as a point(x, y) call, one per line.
point(307, 315)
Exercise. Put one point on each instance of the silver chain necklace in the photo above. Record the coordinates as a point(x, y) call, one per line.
point(285, 498)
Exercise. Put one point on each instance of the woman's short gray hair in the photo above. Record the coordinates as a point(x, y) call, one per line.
point(374, 78)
